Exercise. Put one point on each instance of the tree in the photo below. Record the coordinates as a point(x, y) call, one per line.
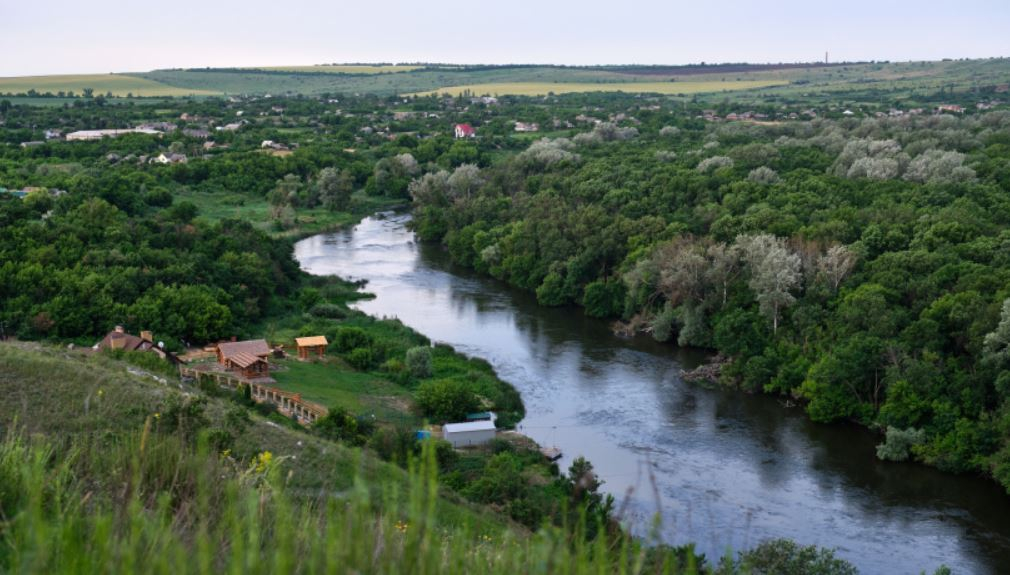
point(335, 188)
point(997, 342)
point(446, 399)
point(836, 264)
point(418, 360)
point(464, 181)
point(774, 271)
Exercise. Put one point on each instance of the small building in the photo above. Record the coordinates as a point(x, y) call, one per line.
point(314, 345)
point(197, 133)
point(527, 127)
point(464, 131)
point(248, 358)
point(248, 365)
point(952, 108)
point(171, 158)
point(469, 434)
point(119, 339)
point(84, 135)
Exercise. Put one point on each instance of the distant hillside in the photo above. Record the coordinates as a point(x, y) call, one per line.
point(740, 81)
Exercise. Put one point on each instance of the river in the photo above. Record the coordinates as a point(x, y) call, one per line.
point(722, 468)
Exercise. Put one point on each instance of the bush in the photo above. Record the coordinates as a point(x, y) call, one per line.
point(340, 425)
point(361, 358)
point(328, 310)
point(898, 443)
point(419, 362)
point(603, 298)
point(348, 338)
point(446, 400)
point(785, 557)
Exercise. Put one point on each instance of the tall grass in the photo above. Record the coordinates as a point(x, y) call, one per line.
point(148, 503)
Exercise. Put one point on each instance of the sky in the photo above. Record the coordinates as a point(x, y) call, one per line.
point(94, 36)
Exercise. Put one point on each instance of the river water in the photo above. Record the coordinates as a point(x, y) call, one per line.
point(723, 469)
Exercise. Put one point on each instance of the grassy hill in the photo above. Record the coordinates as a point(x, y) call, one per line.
point(739, 81)
point(120, 85)
point(93, 445)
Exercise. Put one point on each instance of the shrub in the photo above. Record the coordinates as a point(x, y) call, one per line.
point(446, 399)
point(361, 358)
point(603, 298)
point(714, 163)
point(328, 310)
point(419, 362)
point(785, 557)
point(340, 425)
point(898, 443)
point(348, 338)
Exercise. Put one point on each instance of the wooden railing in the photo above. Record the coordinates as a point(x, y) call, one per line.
point(288, 403)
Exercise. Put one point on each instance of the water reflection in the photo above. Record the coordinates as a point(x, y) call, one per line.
point(723, 468)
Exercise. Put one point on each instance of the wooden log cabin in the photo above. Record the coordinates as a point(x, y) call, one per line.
point(250, 359)
point(309, 346)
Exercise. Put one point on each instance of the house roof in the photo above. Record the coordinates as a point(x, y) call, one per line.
point(120, 340)
point(311, 341)
point(254, 347)
point(465, 128)
point(485, 425)
point(243, 359)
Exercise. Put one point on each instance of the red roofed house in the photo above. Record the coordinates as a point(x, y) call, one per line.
point(248, 358)
point(464, 131)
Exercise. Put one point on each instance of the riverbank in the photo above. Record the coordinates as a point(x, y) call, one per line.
point(722, 469)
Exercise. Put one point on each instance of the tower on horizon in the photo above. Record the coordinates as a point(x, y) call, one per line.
point(825, 56)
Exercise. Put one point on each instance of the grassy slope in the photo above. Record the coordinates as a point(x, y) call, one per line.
point(118, 84)
point(47, 391)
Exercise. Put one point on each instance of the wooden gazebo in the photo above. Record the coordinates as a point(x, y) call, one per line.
point(313, 345)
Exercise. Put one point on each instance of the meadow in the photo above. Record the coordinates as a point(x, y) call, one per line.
point(119, 85)
point(339, 69)
point(544, 88)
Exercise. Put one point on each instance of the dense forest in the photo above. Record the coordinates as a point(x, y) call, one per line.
point(858, 265)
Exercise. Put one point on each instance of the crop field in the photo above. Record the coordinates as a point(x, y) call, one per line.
point(119, 85)
point(542, 88)
point(339, 69)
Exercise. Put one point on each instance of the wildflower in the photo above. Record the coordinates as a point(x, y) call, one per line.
point(101, 392)
point(401, 526)
point(157, 416)
point(263, 461)
point(226, 453)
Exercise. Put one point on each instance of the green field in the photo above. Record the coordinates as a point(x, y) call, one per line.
point(332, 384)
point(339, 69)
point(118, 84)
point(543, 88)
point(218, 206)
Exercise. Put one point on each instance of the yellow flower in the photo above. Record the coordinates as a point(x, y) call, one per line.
point(401, 526)
point(157, 416)
point(101, 392)
point(263, 461)
point(226, 453)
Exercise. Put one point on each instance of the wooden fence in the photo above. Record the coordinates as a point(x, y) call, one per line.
point(288, 403)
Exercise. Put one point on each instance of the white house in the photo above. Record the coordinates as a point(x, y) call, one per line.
point(471, 433)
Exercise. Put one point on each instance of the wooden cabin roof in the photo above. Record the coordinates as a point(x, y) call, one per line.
point(244, 360)
point(311, 341)
point(254, 347)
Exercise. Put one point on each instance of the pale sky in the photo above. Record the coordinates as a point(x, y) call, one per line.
point(94, 36)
